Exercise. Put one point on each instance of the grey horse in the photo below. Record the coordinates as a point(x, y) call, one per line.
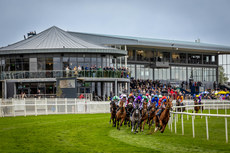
point(136, 116)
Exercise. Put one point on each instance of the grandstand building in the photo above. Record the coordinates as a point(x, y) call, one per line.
point(46, 62)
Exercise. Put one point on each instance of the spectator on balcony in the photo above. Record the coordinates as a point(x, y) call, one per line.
point(67, 71)
point(75, 71)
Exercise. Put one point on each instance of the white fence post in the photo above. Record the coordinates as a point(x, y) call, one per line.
point(75, 107)
point(35, 106)
point(66, 105)
point(46, 106)
point(193, 129)
point(226, 129)
point(187, 115)
point(24, 107)
point(175, 122)
point(217, 109)
point(209, 110)
point(56, 106)
point(182, 124)
point(172, 123)
point(13, 107)
point(206, 118)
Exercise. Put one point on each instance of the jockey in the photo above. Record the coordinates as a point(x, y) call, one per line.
point(123, 98)
point(131, 99)
point(198, 97)
point(180, 99)
point(136, 102)
point(162, 106)
point(116, 99)
point(155, 100)
point(145, 99)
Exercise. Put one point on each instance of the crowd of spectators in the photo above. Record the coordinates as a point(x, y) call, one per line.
point(157, 88)
point(94, 71)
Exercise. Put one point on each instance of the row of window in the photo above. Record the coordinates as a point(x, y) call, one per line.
point(53, 63)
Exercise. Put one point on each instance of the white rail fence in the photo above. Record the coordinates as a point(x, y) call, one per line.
point(208, 105)
point(34, 106)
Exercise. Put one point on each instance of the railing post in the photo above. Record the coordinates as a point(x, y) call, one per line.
point(35, 106)
point(175, 122)
point(24, 107)
point(13, 107)
point(46, 106)
point(56, 105)
point(207, 133)
point(75, 102)
point(193, 129)
point(217, 109)
point(182, 124)
point(187, 114)
point(172, 123)
point(209, 109)
point(66, 105)
point(201, 110)
point(225, 109)
point(226, 129)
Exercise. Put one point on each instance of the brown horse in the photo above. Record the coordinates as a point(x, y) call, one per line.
point(164, 117)
point(181, 109)
point(197, 108)
point(120, 115)
point(144, 116)
point(128, 109)
point(113, 110)
point(151, 115)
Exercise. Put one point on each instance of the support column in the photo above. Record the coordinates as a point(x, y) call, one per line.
point(128, 88)
point(115, 92)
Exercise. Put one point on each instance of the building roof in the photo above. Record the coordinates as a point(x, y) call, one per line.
point(55, 39)
point(104, 39)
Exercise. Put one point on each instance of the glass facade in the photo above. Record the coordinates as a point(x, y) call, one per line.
point(53, 62)
point(224, 60)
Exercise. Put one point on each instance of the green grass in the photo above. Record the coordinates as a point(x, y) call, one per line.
point(93, 133)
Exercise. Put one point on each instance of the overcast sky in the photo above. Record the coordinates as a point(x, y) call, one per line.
point(184, 20)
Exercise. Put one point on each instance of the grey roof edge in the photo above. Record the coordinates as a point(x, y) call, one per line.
point(165, 42)
point(65, 50)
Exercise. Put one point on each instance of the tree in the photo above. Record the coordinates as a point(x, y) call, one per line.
point(222, 76)
point(59, 92)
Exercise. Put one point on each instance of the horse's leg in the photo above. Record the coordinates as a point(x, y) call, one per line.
point(132, 126)
point(140, 125)
point(122, 119)
point(143, 126)
point(163, 128)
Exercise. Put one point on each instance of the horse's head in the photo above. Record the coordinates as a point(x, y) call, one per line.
point(169, 103)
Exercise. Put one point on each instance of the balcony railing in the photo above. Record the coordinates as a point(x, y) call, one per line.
point(65, 73)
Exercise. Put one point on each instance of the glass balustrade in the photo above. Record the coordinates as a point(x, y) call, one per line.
point(65, 73)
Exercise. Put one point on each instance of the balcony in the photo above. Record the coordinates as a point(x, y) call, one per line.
point(67, 74)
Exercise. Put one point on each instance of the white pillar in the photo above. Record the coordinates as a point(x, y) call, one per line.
point(193, 128)
point(226, 129)
point(175, 122)
point(182, 123)
point(206, 118)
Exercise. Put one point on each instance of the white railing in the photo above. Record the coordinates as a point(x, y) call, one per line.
point(34, 106)
point(214, 105)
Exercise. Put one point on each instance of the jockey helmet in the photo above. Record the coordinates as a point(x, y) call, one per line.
point(164, 97)
point(123, 96)
point(115, 98)
point(139, 98)
point(147, 94)
point(156, 96)
point(160, 96)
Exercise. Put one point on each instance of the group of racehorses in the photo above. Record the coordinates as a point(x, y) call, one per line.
point(134, 118)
